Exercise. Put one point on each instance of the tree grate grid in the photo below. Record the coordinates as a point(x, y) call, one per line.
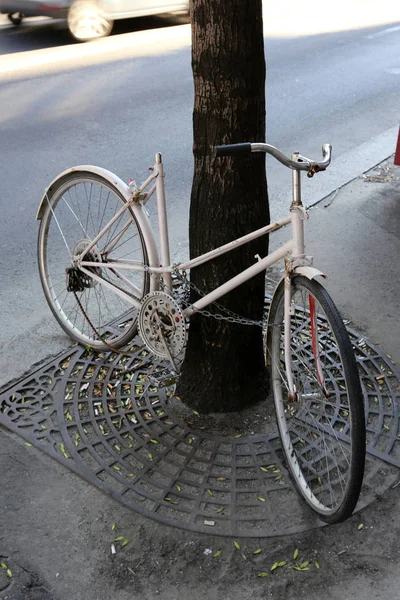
point(106, 418)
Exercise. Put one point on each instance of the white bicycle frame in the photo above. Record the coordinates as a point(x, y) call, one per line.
point(161, 268)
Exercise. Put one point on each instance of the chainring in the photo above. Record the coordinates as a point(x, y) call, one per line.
point(161, 318)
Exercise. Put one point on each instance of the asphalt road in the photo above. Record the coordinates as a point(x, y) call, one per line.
point(331, 77)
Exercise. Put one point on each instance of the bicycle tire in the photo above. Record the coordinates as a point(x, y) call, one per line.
point(322, 430)
point(78, 206)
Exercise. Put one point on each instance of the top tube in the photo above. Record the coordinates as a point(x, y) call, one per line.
point(300, 163)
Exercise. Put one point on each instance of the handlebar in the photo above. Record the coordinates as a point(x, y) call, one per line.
point(300, 163)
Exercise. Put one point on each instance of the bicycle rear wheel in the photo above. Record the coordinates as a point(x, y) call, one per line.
point(323, 428)
point(79, 205)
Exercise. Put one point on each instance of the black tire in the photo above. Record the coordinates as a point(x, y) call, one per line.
point(15, 18)
point(323, 429)
point(78, 206)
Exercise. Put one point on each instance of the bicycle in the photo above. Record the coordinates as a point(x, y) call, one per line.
point(103, 280)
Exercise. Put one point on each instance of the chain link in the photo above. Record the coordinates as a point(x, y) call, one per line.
point(101, 337)
point(160, 377)
point(224, 315)
point(180, 276)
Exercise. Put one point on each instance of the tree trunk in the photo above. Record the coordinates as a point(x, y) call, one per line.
point(224, 366)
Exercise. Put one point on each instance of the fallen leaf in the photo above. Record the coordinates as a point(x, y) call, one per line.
point(237, 545)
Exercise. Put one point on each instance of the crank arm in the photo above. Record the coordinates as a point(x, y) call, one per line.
point(164, 342)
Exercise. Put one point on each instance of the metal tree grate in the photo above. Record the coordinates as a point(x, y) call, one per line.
point(102, 416)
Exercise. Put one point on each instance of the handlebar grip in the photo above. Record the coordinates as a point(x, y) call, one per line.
point(326, 152)
point(232, 149)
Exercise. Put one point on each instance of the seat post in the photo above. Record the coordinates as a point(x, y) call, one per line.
point(296, 183)
point(162, 219)
point(298, 213)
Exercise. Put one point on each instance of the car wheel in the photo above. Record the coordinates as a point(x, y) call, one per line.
point(86, 21)
point(16, 18)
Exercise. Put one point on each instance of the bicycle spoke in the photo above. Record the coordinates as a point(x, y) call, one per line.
point(322, 428)
point(79, 208)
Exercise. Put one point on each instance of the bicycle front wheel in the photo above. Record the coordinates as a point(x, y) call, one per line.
point(322, 428)
point(78, 207)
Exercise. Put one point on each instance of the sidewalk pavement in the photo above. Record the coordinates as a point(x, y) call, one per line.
point(56, 530)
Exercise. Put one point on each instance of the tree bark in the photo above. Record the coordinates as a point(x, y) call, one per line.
point(224, 367)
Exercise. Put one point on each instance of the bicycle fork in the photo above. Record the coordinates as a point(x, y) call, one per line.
point(292, 392)
point(289, 312)
point(301, 264)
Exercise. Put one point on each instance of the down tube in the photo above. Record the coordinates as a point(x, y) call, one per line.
point(233, 283)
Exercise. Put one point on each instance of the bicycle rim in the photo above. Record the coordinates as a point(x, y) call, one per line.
point(78, 207)
point(323, 429)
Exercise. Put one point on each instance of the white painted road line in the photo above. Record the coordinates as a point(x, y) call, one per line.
point(387, 31)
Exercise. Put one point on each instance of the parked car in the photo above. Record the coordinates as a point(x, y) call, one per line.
point(88, 19)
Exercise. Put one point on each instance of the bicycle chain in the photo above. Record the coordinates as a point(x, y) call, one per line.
point(224, 315)
point(116, 350)
point(97, 332)
point(153, 378)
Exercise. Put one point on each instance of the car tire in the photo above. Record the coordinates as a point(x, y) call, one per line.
point(15, 18)
point(86, 21)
